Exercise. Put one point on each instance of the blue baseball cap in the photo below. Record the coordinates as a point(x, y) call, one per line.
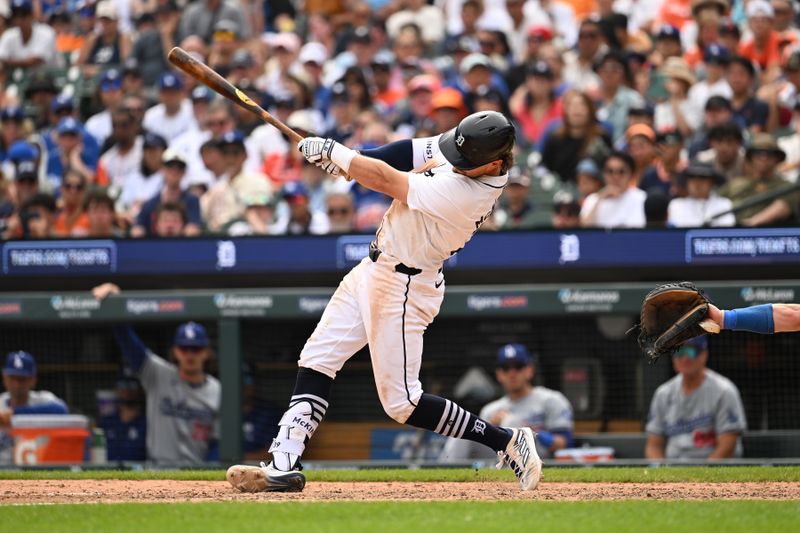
point(169, 82)
point(61, 102)
point(12, 113)
point(716, 54)
point(589, 167)
point(22, 151)
point(68, 125)
point(693, 347)
point(201, 93)
point(20, 364)
point(111, 80)
point(668, 31)
point(232, 137)
point(514, 354)
point(154, 140)
point(24, 6)
point(191, 334)
point(294, 189)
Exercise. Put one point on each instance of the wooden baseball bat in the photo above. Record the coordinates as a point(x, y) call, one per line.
point(207, 76)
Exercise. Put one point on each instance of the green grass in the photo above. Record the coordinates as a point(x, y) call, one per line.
point(714, 474)
point(387, 517)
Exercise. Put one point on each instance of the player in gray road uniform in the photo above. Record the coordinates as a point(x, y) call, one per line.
point(698, 414)
point(182, 401)
point(19, 377)
point(546, 411)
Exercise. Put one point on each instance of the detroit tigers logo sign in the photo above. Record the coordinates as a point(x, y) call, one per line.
point(459, 140)
point(479, 427)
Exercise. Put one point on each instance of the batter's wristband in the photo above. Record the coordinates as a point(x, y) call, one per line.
point(342, 156)
point(757, 319)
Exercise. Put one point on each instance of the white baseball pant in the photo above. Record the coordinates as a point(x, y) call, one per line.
point(389, 310)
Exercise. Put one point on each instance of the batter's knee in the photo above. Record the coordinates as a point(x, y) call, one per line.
point(399, 413)
point(398, 404)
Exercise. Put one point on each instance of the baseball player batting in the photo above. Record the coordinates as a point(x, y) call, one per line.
point(389, 299)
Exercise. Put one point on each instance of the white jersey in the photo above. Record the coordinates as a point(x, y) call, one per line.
point(623, 211)
point(35, 398)
point(41, 44)
point(170, 127)
point(542, 409)
point(119, 167)
point(692, 423)
point(694, 212)
point(99, 126)
point(444, 210)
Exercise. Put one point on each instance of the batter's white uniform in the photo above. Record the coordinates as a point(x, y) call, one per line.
point(384, 303)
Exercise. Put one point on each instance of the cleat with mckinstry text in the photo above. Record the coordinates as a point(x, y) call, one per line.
point(521, 456)
point(265, 478)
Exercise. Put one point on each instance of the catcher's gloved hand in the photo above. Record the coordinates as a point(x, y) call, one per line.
point(672, 314)
point(316, 149)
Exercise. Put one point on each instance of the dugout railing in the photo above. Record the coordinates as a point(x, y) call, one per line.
point(577, 329)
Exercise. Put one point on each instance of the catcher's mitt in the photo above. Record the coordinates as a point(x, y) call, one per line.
point(672, 314)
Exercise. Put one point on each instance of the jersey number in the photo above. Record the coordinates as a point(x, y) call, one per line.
point(478, 224)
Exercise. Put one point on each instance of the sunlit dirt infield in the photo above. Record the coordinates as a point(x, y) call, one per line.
point(161, 491)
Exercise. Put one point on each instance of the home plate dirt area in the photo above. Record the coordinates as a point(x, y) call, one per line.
point(161, 491)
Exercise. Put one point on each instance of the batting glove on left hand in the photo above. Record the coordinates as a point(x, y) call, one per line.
point(316, 149)
point(330, 167)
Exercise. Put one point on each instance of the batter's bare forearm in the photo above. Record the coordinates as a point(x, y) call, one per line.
point(380, 177)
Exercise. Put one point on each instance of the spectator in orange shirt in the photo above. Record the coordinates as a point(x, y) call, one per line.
point(784, 23)
point(763, 48)
point(703, 31)
point(387, 93)
point(71, 220)
point(675, 13)
point(66, 39)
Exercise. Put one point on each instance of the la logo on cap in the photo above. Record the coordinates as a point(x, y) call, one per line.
point(18, 361)
point(190, 331)
point(510, 352)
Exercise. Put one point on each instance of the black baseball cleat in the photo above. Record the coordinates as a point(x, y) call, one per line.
point(265, 478)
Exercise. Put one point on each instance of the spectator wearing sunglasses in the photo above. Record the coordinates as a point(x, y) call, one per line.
point(619, 204)
point(546, 411)
point(71, 220)
point(698, 414)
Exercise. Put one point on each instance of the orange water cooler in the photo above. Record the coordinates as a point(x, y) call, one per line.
point(49, 439)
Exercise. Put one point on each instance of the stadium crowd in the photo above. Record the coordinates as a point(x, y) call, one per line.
point(630, 113)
